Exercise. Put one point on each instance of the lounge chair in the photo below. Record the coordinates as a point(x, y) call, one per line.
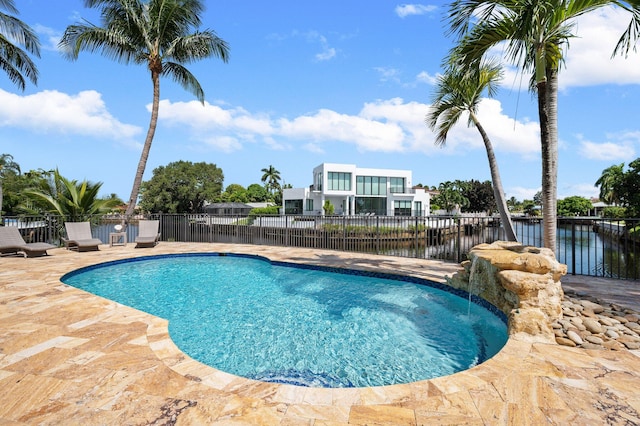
point(79, 237)
point(148, 234)
point(12, 242)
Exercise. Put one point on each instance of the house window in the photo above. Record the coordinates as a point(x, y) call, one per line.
point(338, 181)
point(318, 184)
point(309, 207)
point(292, 206)
point(417, 207)
point(374, 205)
point(396, 185)
point(402, 208)
point(371, 185)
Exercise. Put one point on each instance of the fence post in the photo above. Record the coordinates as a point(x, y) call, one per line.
point(377, 234)
point(416, 239)
point(459, 241)
point(573, 247)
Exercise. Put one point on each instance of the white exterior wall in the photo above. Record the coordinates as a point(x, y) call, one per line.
point(343, 200)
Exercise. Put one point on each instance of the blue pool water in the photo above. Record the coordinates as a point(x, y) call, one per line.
point(301, 325)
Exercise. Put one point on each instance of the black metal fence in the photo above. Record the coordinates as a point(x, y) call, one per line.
point(589, 246)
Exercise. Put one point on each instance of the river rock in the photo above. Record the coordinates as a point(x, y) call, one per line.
point(630, 344)
point(611, 334)
point(596, 308)
point(605, 321)
point(594, 339)
point(575, 337)
point(592, 325)
point(633, 326)
point(565, 342)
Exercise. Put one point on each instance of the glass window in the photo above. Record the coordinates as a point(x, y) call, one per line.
point(402, 208)
point(397, 185)
point(371, 185)
point(338, 181)
point(318, 185)
point(375, 186)
point(371, 205)
point(309, 205)
point(417, 208)
point(293, 207)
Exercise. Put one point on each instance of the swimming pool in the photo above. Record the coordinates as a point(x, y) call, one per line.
point(303, 325)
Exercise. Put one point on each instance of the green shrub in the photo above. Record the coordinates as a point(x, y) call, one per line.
point(614, 212)
point(264, 211)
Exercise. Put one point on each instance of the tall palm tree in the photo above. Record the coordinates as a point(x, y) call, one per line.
point(13, 60)
point(7, 165)
point(156, 33)
point(537, 34)
point(271, 178)
point(610, 183)
point(459, 91)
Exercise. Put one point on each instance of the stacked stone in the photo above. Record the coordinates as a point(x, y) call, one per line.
point(591, 324)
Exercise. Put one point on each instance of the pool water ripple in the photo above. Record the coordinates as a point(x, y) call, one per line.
point(302, 325)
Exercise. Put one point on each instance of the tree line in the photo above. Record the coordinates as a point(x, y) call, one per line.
point(473, 196)
point(178, 187)
point(186, 187)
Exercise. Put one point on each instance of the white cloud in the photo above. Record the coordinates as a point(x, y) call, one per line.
point(327, 51)
point(588, 59)
point(607, 151)
point(380, 126)
point(329, 126)
point(314, 148)
point(50, 37)
point(405, 10)
point(388, 74)
point(220, 128)
point(326, 54)
point(587, 190)
point(425, 77)
point(521, 193)
point(506, 134)
point(53, 112)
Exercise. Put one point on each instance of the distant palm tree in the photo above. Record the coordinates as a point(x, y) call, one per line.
point(536, 35)
point(610, 183)
point(13, 60)
point(156, 33)
point(76, 201)
point(459, 91)
point(6, 165)
point(271, 178)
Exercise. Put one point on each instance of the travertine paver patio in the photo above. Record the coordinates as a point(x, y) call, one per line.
point(68, 357)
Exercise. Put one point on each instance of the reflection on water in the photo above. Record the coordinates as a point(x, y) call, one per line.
point(594, 254)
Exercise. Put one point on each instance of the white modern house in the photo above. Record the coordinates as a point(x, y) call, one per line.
point(358, 191)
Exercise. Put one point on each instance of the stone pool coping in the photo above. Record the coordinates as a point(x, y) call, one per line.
point(67, 356)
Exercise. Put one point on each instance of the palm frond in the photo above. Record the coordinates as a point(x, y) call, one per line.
point(19, 33)
point(183, 77)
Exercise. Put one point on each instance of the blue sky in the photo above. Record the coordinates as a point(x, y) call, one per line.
point(314, 82)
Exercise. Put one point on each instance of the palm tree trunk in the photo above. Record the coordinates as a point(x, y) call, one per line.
point(547, 110)
point(498, 192)
point(142, 164)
